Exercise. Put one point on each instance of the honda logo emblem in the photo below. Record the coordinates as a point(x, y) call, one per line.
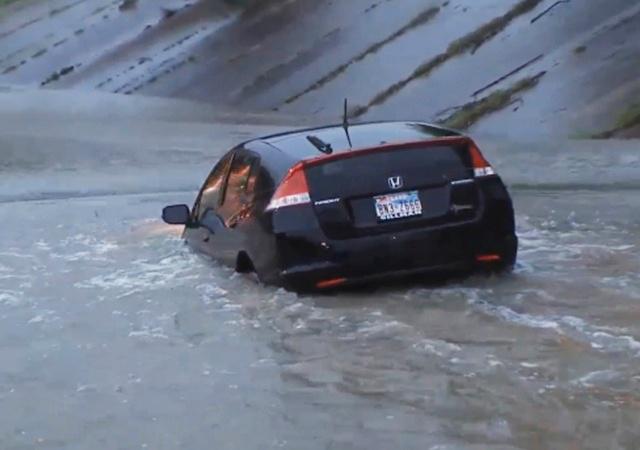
point(395, 182)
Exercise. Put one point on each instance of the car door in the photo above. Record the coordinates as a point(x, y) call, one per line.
point(236, 206)
point(205, 219)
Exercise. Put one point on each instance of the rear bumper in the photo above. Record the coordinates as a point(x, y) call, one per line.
point(301, 280)
point(307, 256)
point(376, 258)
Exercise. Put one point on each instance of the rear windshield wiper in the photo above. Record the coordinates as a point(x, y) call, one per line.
point(321, 145)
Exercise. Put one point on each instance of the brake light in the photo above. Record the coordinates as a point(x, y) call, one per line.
point(481, 167)
point(293, 190)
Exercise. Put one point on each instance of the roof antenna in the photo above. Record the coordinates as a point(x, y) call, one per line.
point(345, 122)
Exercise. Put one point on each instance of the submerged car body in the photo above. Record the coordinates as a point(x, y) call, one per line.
point(327, 207)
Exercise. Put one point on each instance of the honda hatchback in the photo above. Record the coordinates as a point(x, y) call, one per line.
point(328, 207)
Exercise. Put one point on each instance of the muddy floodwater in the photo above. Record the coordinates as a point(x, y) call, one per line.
point(115, 335)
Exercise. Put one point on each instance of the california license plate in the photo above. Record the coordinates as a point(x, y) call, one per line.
point(398, 206)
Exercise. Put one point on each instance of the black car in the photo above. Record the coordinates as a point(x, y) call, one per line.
point(333, 206)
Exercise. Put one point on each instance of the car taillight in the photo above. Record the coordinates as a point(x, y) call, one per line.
point(293, 190)
point(481, 167)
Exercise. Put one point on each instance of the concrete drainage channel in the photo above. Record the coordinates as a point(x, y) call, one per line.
point(115, 335)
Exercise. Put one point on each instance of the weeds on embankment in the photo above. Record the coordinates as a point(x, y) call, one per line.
point(468, 43)
point(470, 113)
point(629, 118)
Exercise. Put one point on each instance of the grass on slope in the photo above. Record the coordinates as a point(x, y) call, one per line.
point(468, 43)
point(629, 118)
point(474, 111)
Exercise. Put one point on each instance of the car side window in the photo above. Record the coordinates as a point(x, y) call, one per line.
point(241, 181)
point(213, 191)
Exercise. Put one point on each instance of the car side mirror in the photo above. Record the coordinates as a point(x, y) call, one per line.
point(176, 215)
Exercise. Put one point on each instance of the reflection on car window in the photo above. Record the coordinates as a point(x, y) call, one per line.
point(242, 179)
point(213, 187)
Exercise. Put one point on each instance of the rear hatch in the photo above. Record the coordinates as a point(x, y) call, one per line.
point(391, 189)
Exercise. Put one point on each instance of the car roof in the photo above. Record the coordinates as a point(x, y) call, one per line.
point(363, 135)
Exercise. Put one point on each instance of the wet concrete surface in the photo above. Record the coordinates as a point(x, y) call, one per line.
point(113, 334)
point(303, 57)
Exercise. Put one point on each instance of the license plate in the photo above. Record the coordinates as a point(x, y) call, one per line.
point(398, 206)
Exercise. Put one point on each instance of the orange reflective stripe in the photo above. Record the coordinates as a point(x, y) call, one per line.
point(488, 258)
point(330, 283)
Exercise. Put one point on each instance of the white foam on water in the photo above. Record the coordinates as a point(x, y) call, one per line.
point(604, 247)
point(296, 311)
point(102, 247)
point(11, 298)
point(78, 256)
point(575, 322)
point(583, 325)
point(80, 238)
point(86, 388)
point(598, 377)
point(383, 329)
point(211, 290)
point(603, 338)
point(212, 294)
point(143, 275)
point(44, 317)
point(5, 269)
point(228, 306)
point(616, 343)
point(264, 362)
point(15, 253)
point(527, 365)
point(578, 251)
point(436, 347)
point(37, 319)
point(600, 338)
point(509, 315)
point(149, 334)
point(79, 247)
point(42, 245)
